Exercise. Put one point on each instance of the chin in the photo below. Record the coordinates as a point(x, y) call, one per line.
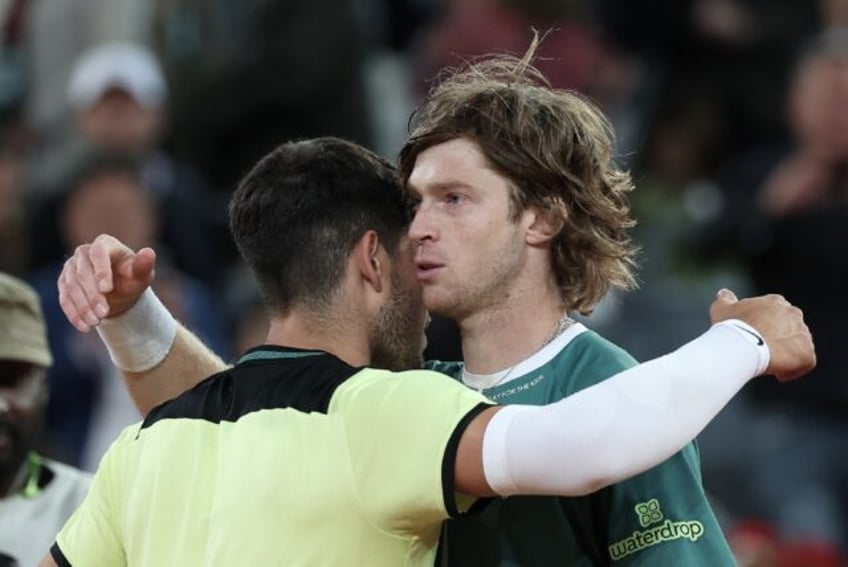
point(440, 305)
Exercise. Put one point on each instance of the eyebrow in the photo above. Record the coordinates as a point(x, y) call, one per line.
point(441, 186)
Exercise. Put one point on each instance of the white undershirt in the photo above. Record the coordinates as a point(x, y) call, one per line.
point(542, 356)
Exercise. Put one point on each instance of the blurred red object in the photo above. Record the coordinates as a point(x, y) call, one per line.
point(807, 553)
point(754, 544)
point(757, 543)
point(572, 56)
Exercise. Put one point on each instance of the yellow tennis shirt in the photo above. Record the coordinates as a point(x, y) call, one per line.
point(291, 457)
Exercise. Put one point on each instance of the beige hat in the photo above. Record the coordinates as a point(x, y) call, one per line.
point(23, 335)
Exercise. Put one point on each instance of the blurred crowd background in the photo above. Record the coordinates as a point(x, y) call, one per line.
point(137, 118)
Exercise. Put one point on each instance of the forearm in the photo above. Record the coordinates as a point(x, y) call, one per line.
point(187, 363)
point(158, 357)
point(622, 426)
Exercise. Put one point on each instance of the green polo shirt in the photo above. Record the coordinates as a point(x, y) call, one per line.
point(660, 517)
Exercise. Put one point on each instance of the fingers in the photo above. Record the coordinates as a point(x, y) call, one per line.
point(724, 295)
point(724, 299)
point(103, 279)
point(793, 351)
point(78, 295)
point(101, 266)
point(804, 354)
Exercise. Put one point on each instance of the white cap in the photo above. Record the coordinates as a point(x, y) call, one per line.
point(126, 66)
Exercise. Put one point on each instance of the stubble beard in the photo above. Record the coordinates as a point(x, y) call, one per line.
point(483, 289)
point(397, 333)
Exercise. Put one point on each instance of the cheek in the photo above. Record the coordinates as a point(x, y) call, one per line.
point(26, 400)
point(30, 397)
point(480, 247)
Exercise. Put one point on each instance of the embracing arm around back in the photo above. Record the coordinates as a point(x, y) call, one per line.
point(106, 285)
point(636, 419)
point(186, 362)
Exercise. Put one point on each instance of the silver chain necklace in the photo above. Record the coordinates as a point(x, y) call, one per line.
point(562, 324)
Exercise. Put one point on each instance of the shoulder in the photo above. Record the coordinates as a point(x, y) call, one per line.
point(413, 381)
point(194, 401)
point(372, 390)
point(589, 358)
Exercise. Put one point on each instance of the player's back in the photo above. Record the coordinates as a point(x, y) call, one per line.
point(273, 462)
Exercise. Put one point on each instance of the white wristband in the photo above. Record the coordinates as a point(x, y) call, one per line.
point(755, 338)
point(141, 337)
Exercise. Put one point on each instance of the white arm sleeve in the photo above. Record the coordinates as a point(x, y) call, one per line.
point(624, 425)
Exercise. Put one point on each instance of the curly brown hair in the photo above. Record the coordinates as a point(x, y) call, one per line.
point(555, 147)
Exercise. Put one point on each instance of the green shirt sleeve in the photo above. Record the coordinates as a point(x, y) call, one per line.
point(662, 516)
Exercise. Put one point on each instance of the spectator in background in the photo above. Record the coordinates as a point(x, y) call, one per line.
point(733, 54)
point(37, 495)
point(246, 76)
point(116, 98)
point(55, 34)
point(786, 217)
point(673, 201)
point(14, 242)
point(574, 54)
point(107, 195)
point(14, 140)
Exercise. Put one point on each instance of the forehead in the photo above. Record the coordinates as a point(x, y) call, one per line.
point(822, 67)
point(460, 160)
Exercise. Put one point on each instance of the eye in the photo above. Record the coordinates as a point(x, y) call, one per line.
point(455, 198)
point(13, 374)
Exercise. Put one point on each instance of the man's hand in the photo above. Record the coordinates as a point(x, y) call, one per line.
point(103, 279)
point(782, 326)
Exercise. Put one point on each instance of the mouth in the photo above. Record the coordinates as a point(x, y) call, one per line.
point(426, 270)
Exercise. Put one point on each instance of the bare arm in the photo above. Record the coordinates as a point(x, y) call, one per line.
point(638, 418)
point(98, 286)
point(187, 363)
point(48, 561)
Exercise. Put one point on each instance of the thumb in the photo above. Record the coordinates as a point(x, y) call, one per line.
point(144, 264)
point(726, 297)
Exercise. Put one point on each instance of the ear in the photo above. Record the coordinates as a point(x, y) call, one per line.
point(540, 226)
point(366, 255)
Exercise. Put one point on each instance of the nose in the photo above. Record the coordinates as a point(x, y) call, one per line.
point(421, 228)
